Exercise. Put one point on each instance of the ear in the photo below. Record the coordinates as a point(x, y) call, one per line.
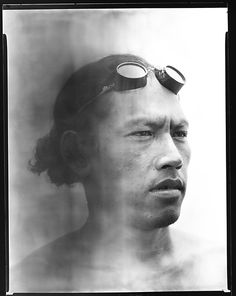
point(74, 153)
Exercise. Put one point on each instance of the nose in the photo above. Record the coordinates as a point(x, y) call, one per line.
point(169, 155)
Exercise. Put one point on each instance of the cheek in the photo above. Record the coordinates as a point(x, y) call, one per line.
point(186, 154)
point(184, 150)
point(121, 160)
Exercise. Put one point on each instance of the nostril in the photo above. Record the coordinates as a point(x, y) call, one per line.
point(179, 166)
point(172, 164)
point(166, 166)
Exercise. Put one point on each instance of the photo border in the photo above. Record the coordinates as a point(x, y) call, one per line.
point(230, 133)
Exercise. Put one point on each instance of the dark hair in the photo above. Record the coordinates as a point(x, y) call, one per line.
point(84, 84)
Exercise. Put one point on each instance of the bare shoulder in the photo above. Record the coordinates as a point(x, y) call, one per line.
point(50, 267)
point(204, 260)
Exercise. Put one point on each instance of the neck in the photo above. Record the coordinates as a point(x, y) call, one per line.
point(112, 231)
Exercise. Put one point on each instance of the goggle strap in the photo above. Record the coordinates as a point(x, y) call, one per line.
point(123, 82)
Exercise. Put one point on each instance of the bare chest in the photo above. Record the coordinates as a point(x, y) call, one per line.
point(132, 276)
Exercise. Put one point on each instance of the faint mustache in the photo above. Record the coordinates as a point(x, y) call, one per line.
point(168, 183)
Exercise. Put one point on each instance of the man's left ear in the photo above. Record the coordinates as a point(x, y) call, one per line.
point(74, 153)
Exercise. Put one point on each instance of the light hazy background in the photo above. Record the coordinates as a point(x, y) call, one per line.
point(46, 46)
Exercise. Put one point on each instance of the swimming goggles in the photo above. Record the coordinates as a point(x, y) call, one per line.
point(133, 75)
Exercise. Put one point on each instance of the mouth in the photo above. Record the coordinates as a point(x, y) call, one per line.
point(168, 188)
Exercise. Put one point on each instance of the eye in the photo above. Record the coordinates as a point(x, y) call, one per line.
point(180, 134)
point(142, 134)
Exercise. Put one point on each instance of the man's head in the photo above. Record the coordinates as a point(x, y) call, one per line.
point(128, 147)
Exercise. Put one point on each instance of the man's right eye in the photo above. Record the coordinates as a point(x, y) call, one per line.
point(143, 133)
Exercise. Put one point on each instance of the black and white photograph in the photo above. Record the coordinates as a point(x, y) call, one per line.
point(116, 149)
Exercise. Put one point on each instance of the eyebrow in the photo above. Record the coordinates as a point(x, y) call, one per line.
point(157, 122)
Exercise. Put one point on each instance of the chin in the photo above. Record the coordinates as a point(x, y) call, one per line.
point(151, 222)
point(169, 218)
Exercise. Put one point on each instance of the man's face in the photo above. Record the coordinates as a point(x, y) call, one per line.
point(139, 164)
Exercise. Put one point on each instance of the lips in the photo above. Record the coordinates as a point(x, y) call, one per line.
point(168, 185)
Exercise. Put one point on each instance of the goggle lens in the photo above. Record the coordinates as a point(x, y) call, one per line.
point(131, 70)
point(175, 74)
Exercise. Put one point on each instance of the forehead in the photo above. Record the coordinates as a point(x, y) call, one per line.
point(153, 102)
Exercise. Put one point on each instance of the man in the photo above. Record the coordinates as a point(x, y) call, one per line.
point(119, 130)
